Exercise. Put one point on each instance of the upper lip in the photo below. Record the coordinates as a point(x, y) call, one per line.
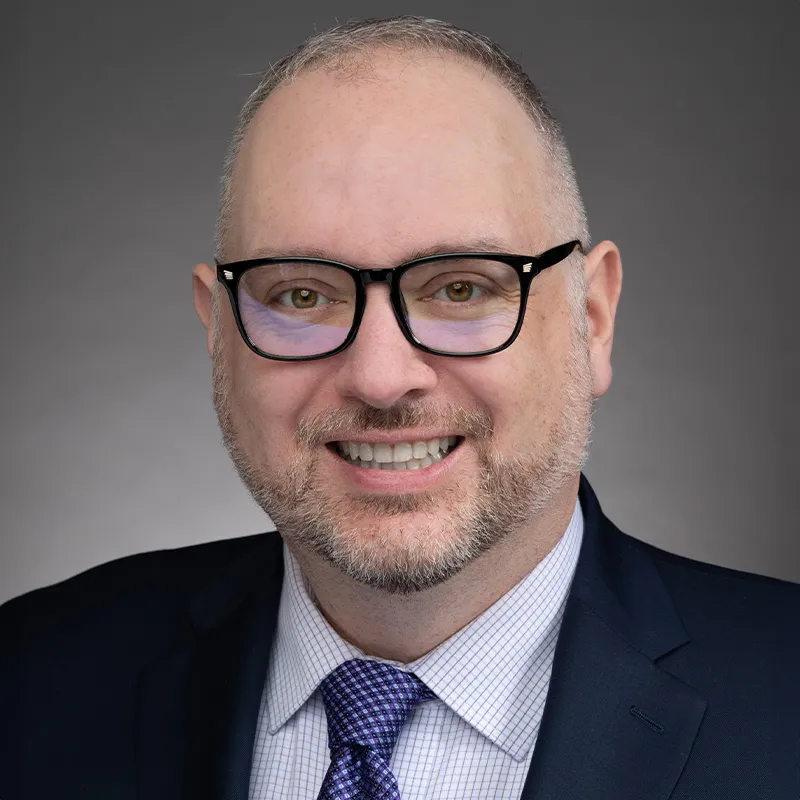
point(389, 437)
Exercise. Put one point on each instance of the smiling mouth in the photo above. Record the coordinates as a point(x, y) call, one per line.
point(399, 457)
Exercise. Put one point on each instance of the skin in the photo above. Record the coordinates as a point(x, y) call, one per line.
point(416, 152)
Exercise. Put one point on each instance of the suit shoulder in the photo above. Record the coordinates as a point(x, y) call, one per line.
point(703, 570)
point(158, 579)
point(760, 605)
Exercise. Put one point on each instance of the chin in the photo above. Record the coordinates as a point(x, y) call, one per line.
point(406, 552)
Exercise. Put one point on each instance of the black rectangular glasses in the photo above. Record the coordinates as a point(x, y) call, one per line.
point(457, 304)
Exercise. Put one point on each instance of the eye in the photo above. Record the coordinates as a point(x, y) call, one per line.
point(459, 291)
point(301, 298)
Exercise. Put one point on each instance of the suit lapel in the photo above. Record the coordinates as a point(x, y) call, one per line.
point(615, 724)
point(199, 705)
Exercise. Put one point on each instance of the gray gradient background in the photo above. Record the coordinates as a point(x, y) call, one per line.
point(682, 119)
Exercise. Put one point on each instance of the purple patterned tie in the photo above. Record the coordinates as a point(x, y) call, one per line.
point(366, 703)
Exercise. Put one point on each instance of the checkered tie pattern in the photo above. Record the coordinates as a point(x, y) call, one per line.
point(366, 704)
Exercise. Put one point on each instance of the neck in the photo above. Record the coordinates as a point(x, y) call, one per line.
point(403, 628)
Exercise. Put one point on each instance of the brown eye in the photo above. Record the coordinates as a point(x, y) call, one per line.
point(302, 298)
point(459, 291)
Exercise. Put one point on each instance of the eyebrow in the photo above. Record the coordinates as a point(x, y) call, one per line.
point(481, 244)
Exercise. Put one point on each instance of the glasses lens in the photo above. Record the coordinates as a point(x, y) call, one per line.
point(462, 305)
point(297, 308)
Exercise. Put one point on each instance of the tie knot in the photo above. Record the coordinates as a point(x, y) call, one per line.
point(367, 703)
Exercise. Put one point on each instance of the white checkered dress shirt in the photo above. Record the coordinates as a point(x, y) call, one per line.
point(491, 677)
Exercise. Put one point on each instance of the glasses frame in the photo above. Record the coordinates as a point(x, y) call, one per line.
point(526, 267)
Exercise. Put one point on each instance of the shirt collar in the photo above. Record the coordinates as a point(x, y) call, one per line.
point(493, 673)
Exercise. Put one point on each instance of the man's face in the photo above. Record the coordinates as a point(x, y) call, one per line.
point(412, 154)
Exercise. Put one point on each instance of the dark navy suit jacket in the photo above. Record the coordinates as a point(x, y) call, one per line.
point(142, 678)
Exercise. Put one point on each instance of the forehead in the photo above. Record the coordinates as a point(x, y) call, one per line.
point(413, 150)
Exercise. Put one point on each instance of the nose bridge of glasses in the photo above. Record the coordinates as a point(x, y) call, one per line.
point(369, 276)
point(387, 277)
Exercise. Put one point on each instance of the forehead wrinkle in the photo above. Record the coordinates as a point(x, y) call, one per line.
point(480, 244)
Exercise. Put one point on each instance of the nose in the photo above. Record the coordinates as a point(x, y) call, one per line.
point(381, 365)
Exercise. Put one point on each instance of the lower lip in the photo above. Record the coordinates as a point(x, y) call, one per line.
point(390, 480)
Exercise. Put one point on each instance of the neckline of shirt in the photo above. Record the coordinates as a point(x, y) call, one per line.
point(493, 673)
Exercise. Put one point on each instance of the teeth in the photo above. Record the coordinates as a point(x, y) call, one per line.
point(403, 452)
point(419, 450)
point(382, 453)
point(402, 456)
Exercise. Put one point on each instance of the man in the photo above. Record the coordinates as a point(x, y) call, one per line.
point(408, 331)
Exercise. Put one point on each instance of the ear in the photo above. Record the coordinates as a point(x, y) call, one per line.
point(603, 286)
point(203, 280)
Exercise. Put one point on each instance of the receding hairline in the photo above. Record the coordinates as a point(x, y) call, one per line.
point(355, 60)
point(358, 64)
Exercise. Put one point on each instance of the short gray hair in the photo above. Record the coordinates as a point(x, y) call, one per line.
point(340, 47)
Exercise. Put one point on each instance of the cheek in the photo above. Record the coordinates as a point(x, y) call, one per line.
point(269, 398)
point(513, 386)
point(523, 385)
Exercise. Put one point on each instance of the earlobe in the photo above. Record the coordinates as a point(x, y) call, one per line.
point(603, 288)
point(203, 280)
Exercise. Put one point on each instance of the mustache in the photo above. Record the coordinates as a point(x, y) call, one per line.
point(335, 423)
